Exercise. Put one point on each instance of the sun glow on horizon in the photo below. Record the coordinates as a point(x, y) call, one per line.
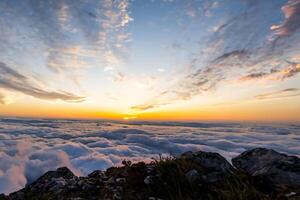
point(129, 118)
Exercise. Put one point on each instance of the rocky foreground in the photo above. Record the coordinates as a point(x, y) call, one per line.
point(255, 174)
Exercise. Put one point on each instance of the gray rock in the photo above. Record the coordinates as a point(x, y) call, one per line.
point(213, 166)
point(291, 194)
point(98, 174)
point(192, 176)
point(278, 168)
point(120, 180)
point(208, 160)
point(148, 180)
point(117, 196)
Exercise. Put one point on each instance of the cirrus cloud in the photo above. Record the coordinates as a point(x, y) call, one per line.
point(12, 80)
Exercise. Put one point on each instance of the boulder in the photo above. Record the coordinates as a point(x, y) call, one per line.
point(211, 167)
point(63, 172)
point(278, 168)
point(209, 161)
point(98, 174)
point(3, 197)
point(51, 183)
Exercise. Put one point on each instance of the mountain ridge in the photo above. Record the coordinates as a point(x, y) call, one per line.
point(258, 173)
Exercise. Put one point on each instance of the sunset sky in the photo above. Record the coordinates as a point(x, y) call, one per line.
point(151, 59)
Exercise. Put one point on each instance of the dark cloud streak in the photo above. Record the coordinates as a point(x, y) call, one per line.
point(289, 92)
point(13, 80)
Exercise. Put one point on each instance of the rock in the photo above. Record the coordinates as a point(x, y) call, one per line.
point(291, 194)
point(98, 174)
point(55, 179)
point(192, 176)
point(3, 197)
point(52, 183)
point(213, 166)
point(209, 174)
point(59, 182)
point(148, 180)
point(117, 196)
point(209, 160)
point(111, 180)
point(278, 168)
point(120, 180)
point(153, 198)
point(62, 172)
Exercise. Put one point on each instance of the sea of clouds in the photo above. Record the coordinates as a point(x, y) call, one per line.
point(30, 147)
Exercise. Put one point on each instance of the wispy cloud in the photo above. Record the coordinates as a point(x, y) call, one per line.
point(12, 80)
point(242, 48)
point(147, 106)
point(292, 17)
point(2, 99)
point(67, 37)
point(113, 18)
point(291, 69)
point(5, 98)
point(289, 92)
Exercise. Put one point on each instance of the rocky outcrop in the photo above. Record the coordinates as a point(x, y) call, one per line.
point(279, 169)
point(193, 175)
point(213, 166)
point(208, 160)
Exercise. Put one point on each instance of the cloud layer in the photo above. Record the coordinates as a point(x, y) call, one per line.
point(31, 147)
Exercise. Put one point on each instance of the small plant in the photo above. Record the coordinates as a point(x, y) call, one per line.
point(126, 163)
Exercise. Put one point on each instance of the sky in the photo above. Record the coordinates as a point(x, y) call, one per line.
point(151, 60)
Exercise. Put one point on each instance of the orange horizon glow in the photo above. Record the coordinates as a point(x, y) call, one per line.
point(249, 111)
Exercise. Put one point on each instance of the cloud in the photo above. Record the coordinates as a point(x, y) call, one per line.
point(12, 80)
point(112, 37)
point(25, 162)
point(292, 17)
point(142, 107)
point(31, 147)
point(257, 75)
point(2, 99)
point(291, 69)
point(69, 60)
point(242, 48)
point(198, 82)
point(64, 36)
point(289, 92)
point(13, 179)
point(236, 54)
point(119, 77)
